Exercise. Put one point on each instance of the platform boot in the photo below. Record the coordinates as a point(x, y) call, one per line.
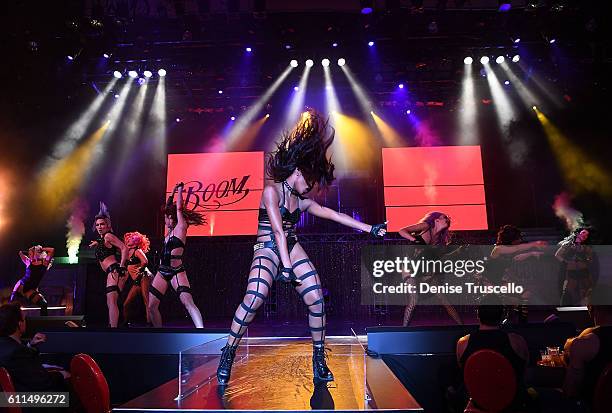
point(320, 371)
point(225, 364)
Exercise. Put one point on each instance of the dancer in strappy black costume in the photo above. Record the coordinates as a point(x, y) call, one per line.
point(171, 270)
point(108, 246)
point(432, 229)
point(138, 246)
point(298, 165)
point(37, 260)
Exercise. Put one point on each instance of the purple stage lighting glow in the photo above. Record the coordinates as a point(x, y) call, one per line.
point(504, 6)
point(117, 95)
point(296, 88)
point(401, 85)
point(70, 57)
point(233, 118)
point(517, 40)
point(248, 50)
point(147, 73)
point(309, 63)
point(106, 55)
point(141, 81)
point(366, 10)
point(177, 120)
point(468, 60)
point(287, 46)
point(516, 58)
point(220, 91)
point(133, 74)
point(341, 62)
point(117, 74)
point(161, 72)
point(334, 44)
point(500, 60)
point(325, 62)
point(408, 112)
point(553, 40)
point(507, 82)
point(370, 43)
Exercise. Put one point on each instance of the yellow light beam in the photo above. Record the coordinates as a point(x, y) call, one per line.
point(356, 142)
point(529, 99)
point(580, 172)
point(390, 136)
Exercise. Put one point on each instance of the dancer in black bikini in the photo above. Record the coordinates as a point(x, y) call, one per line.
point(37, 261)
point(138, 246)
point(298, 165)
point(108, 246)
point(171, 270)
point(432, 229)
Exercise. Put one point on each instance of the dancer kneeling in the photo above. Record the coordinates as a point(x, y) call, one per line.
point(171, 270)
point(298, 165)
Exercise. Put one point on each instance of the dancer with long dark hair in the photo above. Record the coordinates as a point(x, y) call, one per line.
point(576, 255)
point(299, 165)
point(138, 246)
point(432, 229)
point(171, 270)
point(107, 247)
point(38, 261)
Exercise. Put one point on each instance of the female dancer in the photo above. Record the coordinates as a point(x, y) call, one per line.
point(298, 165)
point(171, 270)
point(577, 256)
point(138, 246)
point(107, 247)
point(432, 229)
point(38, 261)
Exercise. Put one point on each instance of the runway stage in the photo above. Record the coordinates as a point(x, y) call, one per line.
point(276, 374)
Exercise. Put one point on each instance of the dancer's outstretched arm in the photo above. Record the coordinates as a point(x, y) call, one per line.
point(514, 249)
point(181, 223)
point(327, 213)
point(24, 258)
point(271, 201)
point(407, 232)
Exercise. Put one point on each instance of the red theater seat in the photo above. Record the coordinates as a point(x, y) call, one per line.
point(90, 384)
point(490, 381)
point(6, 386)
point(602, 398)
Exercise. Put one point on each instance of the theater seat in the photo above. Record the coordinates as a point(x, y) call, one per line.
point(6, 385)
point(490, 381)
point(90, 384)
point(602, 397)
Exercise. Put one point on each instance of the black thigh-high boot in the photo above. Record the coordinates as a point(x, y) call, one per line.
point(228, 353)
point(320, 371)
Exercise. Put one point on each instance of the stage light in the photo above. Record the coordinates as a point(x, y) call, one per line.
point(341, 62)
point(553, 40)
point(517, 40)
point(177, 120)
point(296, 88)
point(106, 55)
point(507, 82)
point(141, 81)
point(248, 50)
point(220, 91)
point(408, 112)
point(267, 115)
point(117, 95)
point(147, 73)
point(366, 6)
point(516, 58)
point(534, 107)
point(500, 60)
point(233, 118)
point(468, 60)
point(334, 44)
point(484, 60)
point(370, 43)
point(293, 63)
point(133, 74)
point(117, 74)
point(325, 62)
point(161, 72)
point(401, 85)
point(309, 63)
point(287, 46)
point(504, 5)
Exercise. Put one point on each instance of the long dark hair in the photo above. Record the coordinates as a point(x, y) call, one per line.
point(444, 236)
point(192, 217)
point(507, 234)
point(305, 148)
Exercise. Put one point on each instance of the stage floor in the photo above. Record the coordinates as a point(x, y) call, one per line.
point(274, 374)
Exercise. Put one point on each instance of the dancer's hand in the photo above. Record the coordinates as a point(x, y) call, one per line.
point(288, 275)
point(37, 339)
point(379, 230)
point(93, 243)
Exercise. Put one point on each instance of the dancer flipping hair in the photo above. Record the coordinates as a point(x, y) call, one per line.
point(432, 229)
point(108, 246)
point(576, 256)
point(171, 270)
point(138, 246)
point(37, 261)
point(298, 165)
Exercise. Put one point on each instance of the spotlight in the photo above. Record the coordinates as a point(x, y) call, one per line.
point(370, 43)
point(133, 74)
point(517, 40)
point(70, 57)
point(177, 120)
point(551, 41)
point(248, 50)
point(220, 91)
point(366, 6)
point(293, 63)
point(106, 55)
point(516, 58)
point(147, 73)
point(267, 115)
point(499, 60)
point(484, 60)
point(507, 82)
point(161, 72)
point(341, 62)
point(141, 81)
point(117, 96)
point(117, 74)
point(504, 5)
point(309, 63)
point(534, 108)
point(334, 44)
point(296, 88)
point(401, 85)
point(233, 118)
point(408, 112)
point(468, 60)
point(325, 62)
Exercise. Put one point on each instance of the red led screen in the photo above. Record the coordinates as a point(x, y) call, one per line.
point(225, 186)
point(440, 178)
